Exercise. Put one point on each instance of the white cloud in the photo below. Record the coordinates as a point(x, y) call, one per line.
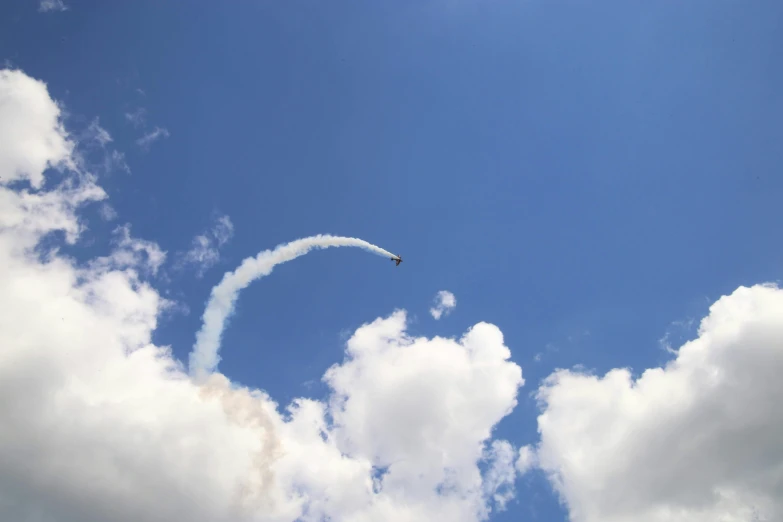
point(101, 424)
point(444, 304)
point(421, 409)
point(151, 137)
point(698, 440)
point(52, 5)
point(205, 251)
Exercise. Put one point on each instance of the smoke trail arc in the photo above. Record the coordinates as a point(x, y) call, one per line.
point(204, 358)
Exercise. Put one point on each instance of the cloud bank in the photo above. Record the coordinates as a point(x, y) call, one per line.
point(698, 440)
point(100, 424)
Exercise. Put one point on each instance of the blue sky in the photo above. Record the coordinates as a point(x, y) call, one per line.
point(586, 177)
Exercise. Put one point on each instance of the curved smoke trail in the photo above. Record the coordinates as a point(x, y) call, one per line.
point(204, 357)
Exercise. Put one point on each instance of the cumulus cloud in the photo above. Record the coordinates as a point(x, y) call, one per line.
point(698, 440)
point(444, 304)
point(100, 424)
point(52, 5)
point(411, 420)
point(205, 250)
point(151, 137)
point(32, 137)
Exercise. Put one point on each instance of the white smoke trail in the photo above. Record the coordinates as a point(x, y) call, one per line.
point(204, 357)
point(248, 408)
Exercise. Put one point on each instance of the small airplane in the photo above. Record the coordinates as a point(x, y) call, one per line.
point(398, 260)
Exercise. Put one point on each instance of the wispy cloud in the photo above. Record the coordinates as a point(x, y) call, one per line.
point(444, 304)
point(97, 134)
point(107, 212)
point(115, 160)
point(138, 117)
point(132, 252)
point(151, 137)
point(549, 348)
point(52, 5)
point(205, 251)
point(95, 140)
point(678, 330)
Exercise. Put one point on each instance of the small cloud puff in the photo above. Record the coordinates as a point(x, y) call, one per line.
point(444, 304)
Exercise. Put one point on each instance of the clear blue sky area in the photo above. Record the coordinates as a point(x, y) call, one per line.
point(586, 175)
